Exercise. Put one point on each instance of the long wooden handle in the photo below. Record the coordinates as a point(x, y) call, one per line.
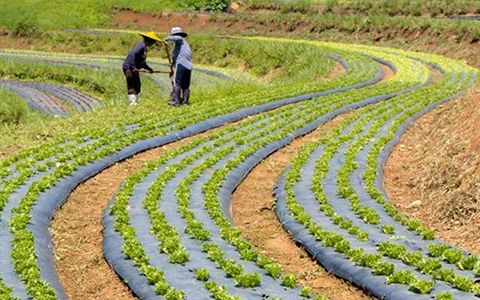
point(170, 64)
point(169, 58)
point(145, 71)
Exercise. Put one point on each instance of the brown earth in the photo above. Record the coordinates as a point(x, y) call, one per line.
point(434, 172)
point(388, 73)
point(253, 213)
point(163, 21)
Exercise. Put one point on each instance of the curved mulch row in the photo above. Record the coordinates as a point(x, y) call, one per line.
point(77, 233)
point(256, 219)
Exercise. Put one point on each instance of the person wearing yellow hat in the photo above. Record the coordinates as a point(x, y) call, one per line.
point(182, 66)
point(136, 61)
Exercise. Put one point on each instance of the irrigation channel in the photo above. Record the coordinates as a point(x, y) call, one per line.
point(169, 231)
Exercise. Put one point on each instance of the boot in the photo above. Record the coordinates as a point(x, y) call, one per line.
point(175, 101)
point(186, 97)
point(132, 99)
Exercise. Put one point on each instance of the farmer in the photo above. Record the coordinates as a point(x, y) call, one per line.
point(182, 66)
point(135, 62)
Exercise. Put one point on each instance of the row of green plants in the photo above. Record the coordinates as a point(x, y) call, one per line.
point(195, 227)
point(259, 59)
point(148, 120)
point(449, 86)
point(113, 89)
point(233, 236)
point(103, 143)
point(296, 23)
point(430, 8)
point(350, 166)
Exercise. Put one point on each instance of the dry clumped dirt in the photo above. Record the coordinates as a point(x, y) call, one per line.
point(434, 172)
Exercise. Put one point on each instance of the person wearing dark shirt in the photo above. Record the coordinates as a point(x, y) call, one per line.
point(134, 62)
point(182, 66)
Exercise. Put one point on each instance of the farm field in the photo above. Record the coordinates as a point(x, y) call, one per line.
point(329, 151)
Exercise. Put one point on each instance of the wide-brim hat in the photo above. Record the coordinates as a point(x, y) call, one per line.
point(151, 35)
point(178, 31)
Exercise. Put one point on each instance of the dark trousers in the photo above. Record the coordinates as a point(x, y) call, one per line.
point(134, 85)
point(181, 90)
point(183, 77)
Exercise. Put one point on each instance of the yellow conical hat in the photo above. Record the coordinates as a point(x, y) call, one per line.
point(151, 35)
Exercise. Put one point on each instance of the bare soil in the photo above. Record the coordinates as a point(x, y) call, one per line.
point(388, 73)
point(164, 21)
point(434, 172)
point(253, 214)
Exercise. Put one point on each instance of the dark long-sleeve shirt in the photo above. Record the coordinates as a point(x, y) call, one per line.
point(137, 57)
point(182, 54)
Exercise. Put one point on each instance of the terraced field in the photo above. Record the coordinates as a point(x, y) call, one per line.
point(169, 231)
point(51, 98)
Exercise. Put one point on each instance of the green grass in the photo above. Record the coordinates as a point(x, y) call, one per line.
point(13, 109)
point(468, 31)
point(23, 17)
point(276, 62)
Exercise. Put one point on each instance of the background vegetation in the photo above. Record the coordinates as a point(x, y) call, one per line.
point(29, 16)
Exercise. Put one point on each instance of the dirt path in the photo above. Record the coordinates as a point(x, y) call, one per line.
point(388, 73)
point(434, 172)
point(253, 214)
